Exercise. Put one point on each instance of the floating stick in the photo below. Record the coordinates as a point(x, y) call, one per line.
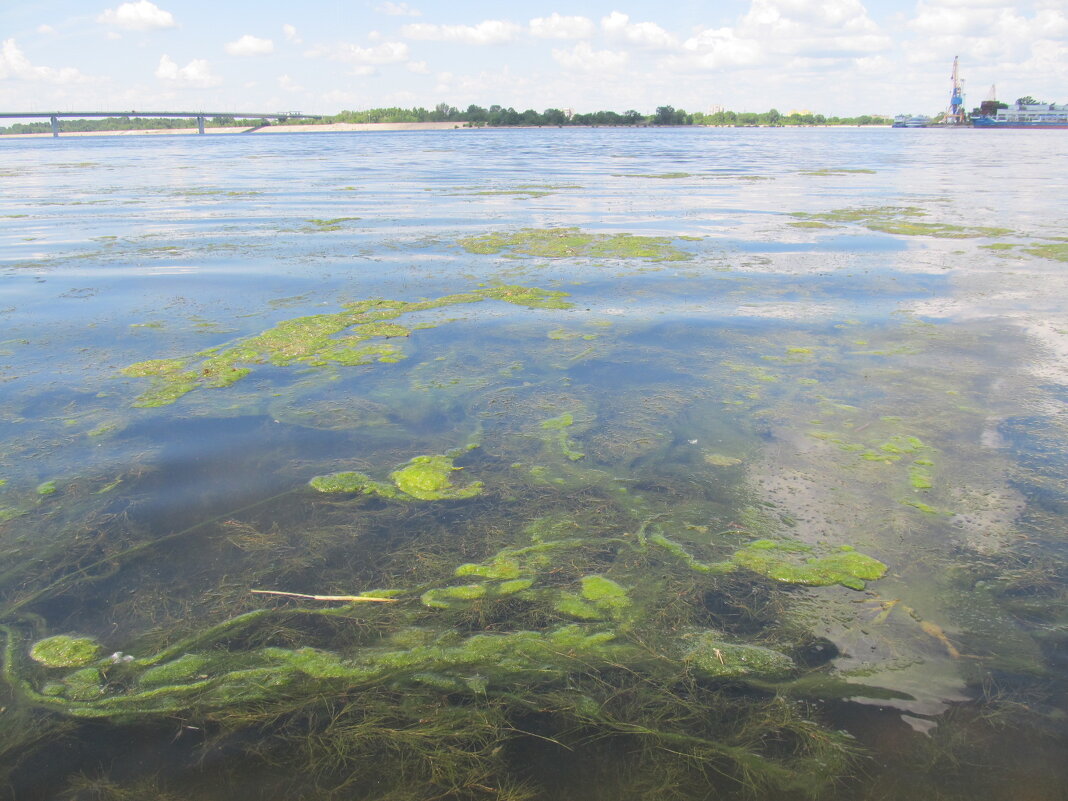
point(354, 598)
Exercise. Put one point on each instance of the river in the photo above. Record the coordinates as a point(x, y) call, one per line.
point(535, 464)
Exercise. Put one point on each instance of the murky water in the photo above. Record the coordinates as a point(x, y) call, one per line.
point(679, 464)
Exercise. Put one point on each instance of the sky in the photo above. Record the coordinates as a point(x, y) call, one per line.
point(834, 57)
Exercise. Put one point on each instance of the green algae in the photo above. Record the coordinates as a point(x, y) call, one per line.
point(1057, 251)
point(187, 667)
point(678, 551)
point(920, 477)
point(427, 478)
point(355, 484)
point(423, 478)
point(443, 597)
point(572, 605)
point(47, 488)
point(900, 220)
point(64, 650)
point(556, 428)
point(797, 563)
point(314, 341)
point(334, 224)
point(605, 594)
point(571, 243)
point(710, 656)
point(720, 460)
point(564, 334)
point(501, 567)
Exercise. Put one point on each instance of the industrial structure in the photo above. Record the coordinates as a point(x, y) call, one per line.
point(955, 114)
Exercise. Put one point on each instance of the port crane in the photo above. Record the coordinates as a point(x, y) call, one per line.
point(956, 115)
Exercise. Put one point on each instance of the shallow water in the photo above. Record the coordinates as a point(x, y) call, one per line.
point(811, 340)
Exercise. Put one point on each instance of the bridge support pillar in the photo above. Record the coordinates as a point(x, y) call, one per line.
point(55, 125)
point(200, 124)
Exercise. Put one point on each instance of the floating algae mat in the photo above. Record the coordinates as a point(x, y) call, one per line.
point(570, 243)
point(902, 220)
point(312, 341)
point(331, 503)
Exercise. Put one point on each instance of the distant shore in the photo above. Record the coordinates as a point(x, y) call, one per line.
point(337, 127)
point(268, 129)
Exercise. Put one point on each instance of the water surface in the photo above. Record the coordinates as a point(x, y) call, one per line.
point(750, 455)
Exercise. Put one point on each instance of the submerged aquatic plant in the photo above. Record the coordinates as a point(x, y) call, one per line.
point(424, 478)
point(315, 341)
point(64, 650)
point(797, 563)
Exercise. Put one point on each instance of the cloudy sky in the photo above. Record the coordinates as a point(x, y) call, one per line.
point(837, 57)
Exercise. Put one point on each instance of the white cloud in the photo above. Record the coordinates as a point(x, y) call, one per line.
point(290, 33)
point(249, 45)
point(490, 31)
point(827, 29)
point(287, 84)
point(717, 48)
point(584, 58)
point(557, 27)
point(45, 29)
point(139, 16)
point(385, 53)
point(418, 67)
point(398, 10)
point(14, 64)
point(197, 73)
point(643, 34)
point(364, 70)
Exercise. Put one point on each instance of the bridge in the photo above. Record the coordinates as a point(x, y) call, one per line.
point(54, 116)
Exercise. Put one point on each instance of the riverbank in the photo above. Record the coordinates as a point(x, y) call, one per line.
point(335, 127)
point(344, 127)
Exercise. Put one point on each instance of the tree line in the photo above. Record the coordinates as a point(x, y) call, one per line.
point(473, 116)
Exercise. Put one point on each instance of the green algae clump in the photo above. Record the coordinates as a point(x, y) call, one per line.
point(573, 243)
point(354, 483)
point(424, 478)
point(710, 657)
point(797, 563)
point(900, 220)
point(604, 593)
point(443, 597)
point(1057, 251)
point(315, 341)
point(557, 434)
point(64, 650)
point(427, 478)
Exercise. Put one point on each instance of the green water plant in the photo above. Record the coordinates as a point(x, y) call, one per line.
point(358, 335)
point(711, 655)
point(423, 478)
point(573, 243)
point(901, 220)
point(64, 650)
point(798, 563)
point(556, 429)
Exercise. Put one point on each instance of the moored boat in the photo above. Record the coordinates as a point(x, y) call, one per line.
point(1026, 115)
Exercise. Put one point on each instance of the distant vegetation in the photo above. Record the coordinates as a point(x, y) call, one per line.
point(472, 116)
